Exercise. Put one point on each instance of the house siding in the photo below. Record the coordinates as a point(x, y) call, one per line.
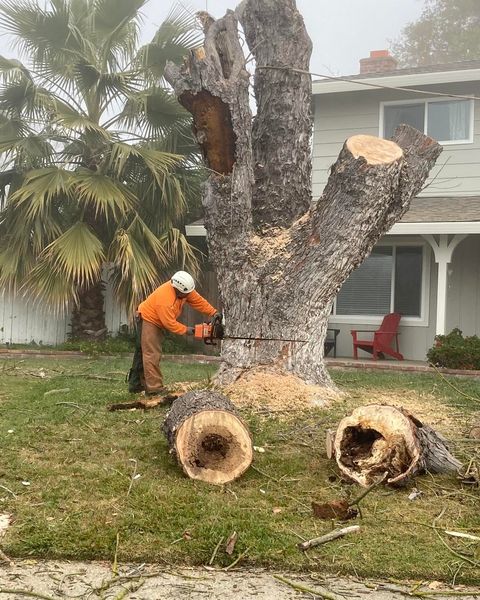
point(414, 340)
point(339, 116)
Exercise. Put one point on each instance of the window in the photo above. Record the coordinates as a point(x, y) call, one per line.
point(389, 280)
point(448, 121)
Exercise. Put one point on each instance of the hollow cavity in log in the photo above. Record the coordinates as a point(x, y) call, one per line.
point(210, 441)
point(376, 439)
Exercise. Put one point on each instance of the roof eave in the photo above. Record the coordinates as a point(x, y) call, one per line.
point(335, 86)
point(446, 227)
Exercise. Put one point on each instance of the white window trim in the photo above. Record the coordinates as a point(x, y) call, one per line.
point(426, 102)
point(422, 320)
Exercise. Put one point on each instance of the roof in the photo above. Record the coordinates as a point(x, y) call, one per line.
point(425, 215)
point(438, 209)
point(413, 76)
point(465, 65)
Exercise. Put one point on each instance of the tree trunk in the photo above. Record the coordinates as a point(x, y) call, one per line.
point(280, 261)
point(376, 439)
point(210, 441)
point(88, 316)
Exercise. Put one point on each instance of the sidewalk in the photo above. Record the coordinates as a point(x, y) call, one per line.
point(58, 579)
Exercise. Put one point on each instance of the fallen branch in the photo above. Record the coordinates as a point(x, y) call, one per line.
point(457, 554)
point(456, 389)
point(3, 487)
point(307, 590)
point(380, 480)
point(144, 403)
point(333, 535)
point(214, 553)
point(237, 560)
point(466, 536)
point(25, 593)
point(388, 587)
point(56, 391)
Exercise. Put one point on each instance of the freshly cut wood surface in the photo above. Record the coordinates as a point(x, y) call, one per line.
point(374, 150)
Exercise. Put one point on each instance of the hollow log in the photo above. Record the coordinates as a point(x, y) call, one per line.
point(376, 439)
point(210, 440)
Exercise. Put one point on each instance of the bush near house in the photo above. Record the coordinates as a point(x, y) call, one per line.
point(454, 351)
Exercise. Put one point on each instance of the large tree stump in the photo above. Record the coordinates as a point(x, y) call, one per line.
point(210, 441)
point(280, 260)
point(376, 439)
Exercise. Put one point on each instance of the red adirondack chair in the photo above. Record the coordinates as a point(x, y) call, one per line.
point(383, 338)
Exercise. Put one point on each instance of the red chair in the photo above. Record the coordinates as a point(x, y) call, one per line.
point(383, 338)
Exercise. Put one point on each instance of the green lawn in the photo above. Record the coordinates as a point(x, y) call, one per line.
point(78, 460)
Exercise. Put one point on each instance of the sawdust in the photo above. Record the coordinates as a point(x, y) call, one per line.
point(274, 392)
point(426, 407)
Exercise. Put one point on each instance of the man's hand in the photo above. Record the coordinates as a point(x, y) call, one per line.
point(219, 316)
point(190, 330)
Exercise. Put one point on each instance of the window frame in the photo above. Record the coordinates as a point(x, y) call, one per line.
point(423, 319)
point(426, 102)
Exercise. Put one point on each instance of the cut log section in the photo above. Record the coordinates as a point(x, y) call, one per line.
point(211, 442)
point(376, 439)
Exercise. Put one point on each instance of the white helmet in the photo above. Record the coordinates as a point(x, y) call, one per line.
point(183, 282)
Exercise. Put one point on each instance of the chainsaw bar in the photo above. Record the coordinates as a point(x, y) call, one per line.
point(260, 339)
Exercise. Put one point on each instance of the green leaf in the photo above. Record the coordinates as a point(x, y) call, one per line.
point(107, 197)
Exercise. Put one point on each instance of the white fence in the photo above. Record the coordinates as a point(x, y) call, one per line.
point(22, 322)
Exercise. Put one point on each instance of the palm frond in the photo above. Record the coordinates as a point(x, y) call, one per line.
point(157, 163)
point(107, 197)
point(13, 70)
point(39, 188)
point(115, 23)
point(172, 41)
point(45, 35)
point(154, 111)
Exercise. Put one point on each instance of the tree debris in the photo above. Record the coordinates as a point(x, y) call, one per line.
point(328, 537)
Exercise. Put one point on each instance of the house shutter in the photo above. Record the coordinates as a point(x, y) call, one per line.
point(368, 289)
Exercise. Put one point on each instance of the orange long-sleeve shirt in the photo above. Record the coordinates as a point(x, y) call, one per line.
point(162, 308)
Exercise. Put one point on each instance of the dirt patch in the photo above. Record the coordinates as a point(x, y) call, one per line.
point(272, 392)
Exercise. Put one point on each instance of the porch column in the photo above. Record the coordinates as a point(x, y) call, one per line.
point(443, 250)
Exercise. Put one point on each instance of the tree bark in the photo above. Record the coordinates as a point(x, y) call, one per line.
point(376, 439)
point(88, 315)
point(209, 439)
point(280, 261)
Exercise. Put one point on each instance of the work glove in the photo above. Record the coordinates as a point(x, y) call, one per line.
point(190, 330)
point(219, 316)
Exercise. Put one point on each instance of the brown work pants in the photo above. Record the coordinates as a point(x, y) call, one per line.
point(151, 341)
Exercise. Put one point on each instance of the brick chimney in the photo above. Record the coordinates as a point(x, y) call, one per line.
point(380, 61)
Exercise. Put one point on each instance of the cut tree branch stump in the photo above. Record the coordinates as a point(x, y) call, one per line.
point(375, 439)
point(209, 439)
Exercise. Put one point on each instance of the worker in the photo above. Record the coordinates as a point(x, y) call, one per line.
point(159, 312)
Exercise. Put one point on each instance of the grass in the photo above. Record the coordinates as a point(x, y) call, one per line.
point(79, 460)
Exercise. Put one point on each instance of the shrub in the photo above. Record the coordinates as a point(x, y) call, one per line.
point(454, 351)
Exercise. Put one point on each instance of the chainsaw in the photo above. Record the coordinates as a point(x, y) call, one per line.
point(215, 330)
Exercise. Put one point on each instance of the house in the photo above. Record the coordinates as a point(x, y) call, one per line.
point(428, 265)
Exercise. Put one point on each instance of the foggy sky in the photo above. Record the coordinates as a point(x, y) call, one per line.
point(343, 31)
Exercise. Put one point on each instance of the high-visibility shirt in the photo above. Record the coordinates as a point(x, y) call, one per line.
point(162, 308)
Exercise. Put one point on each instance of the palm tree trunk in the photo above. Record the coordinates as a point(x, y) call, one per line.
point(88, 315)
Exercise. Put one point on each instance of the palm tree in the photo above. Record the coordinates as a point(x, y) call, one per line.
point(98, 162)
